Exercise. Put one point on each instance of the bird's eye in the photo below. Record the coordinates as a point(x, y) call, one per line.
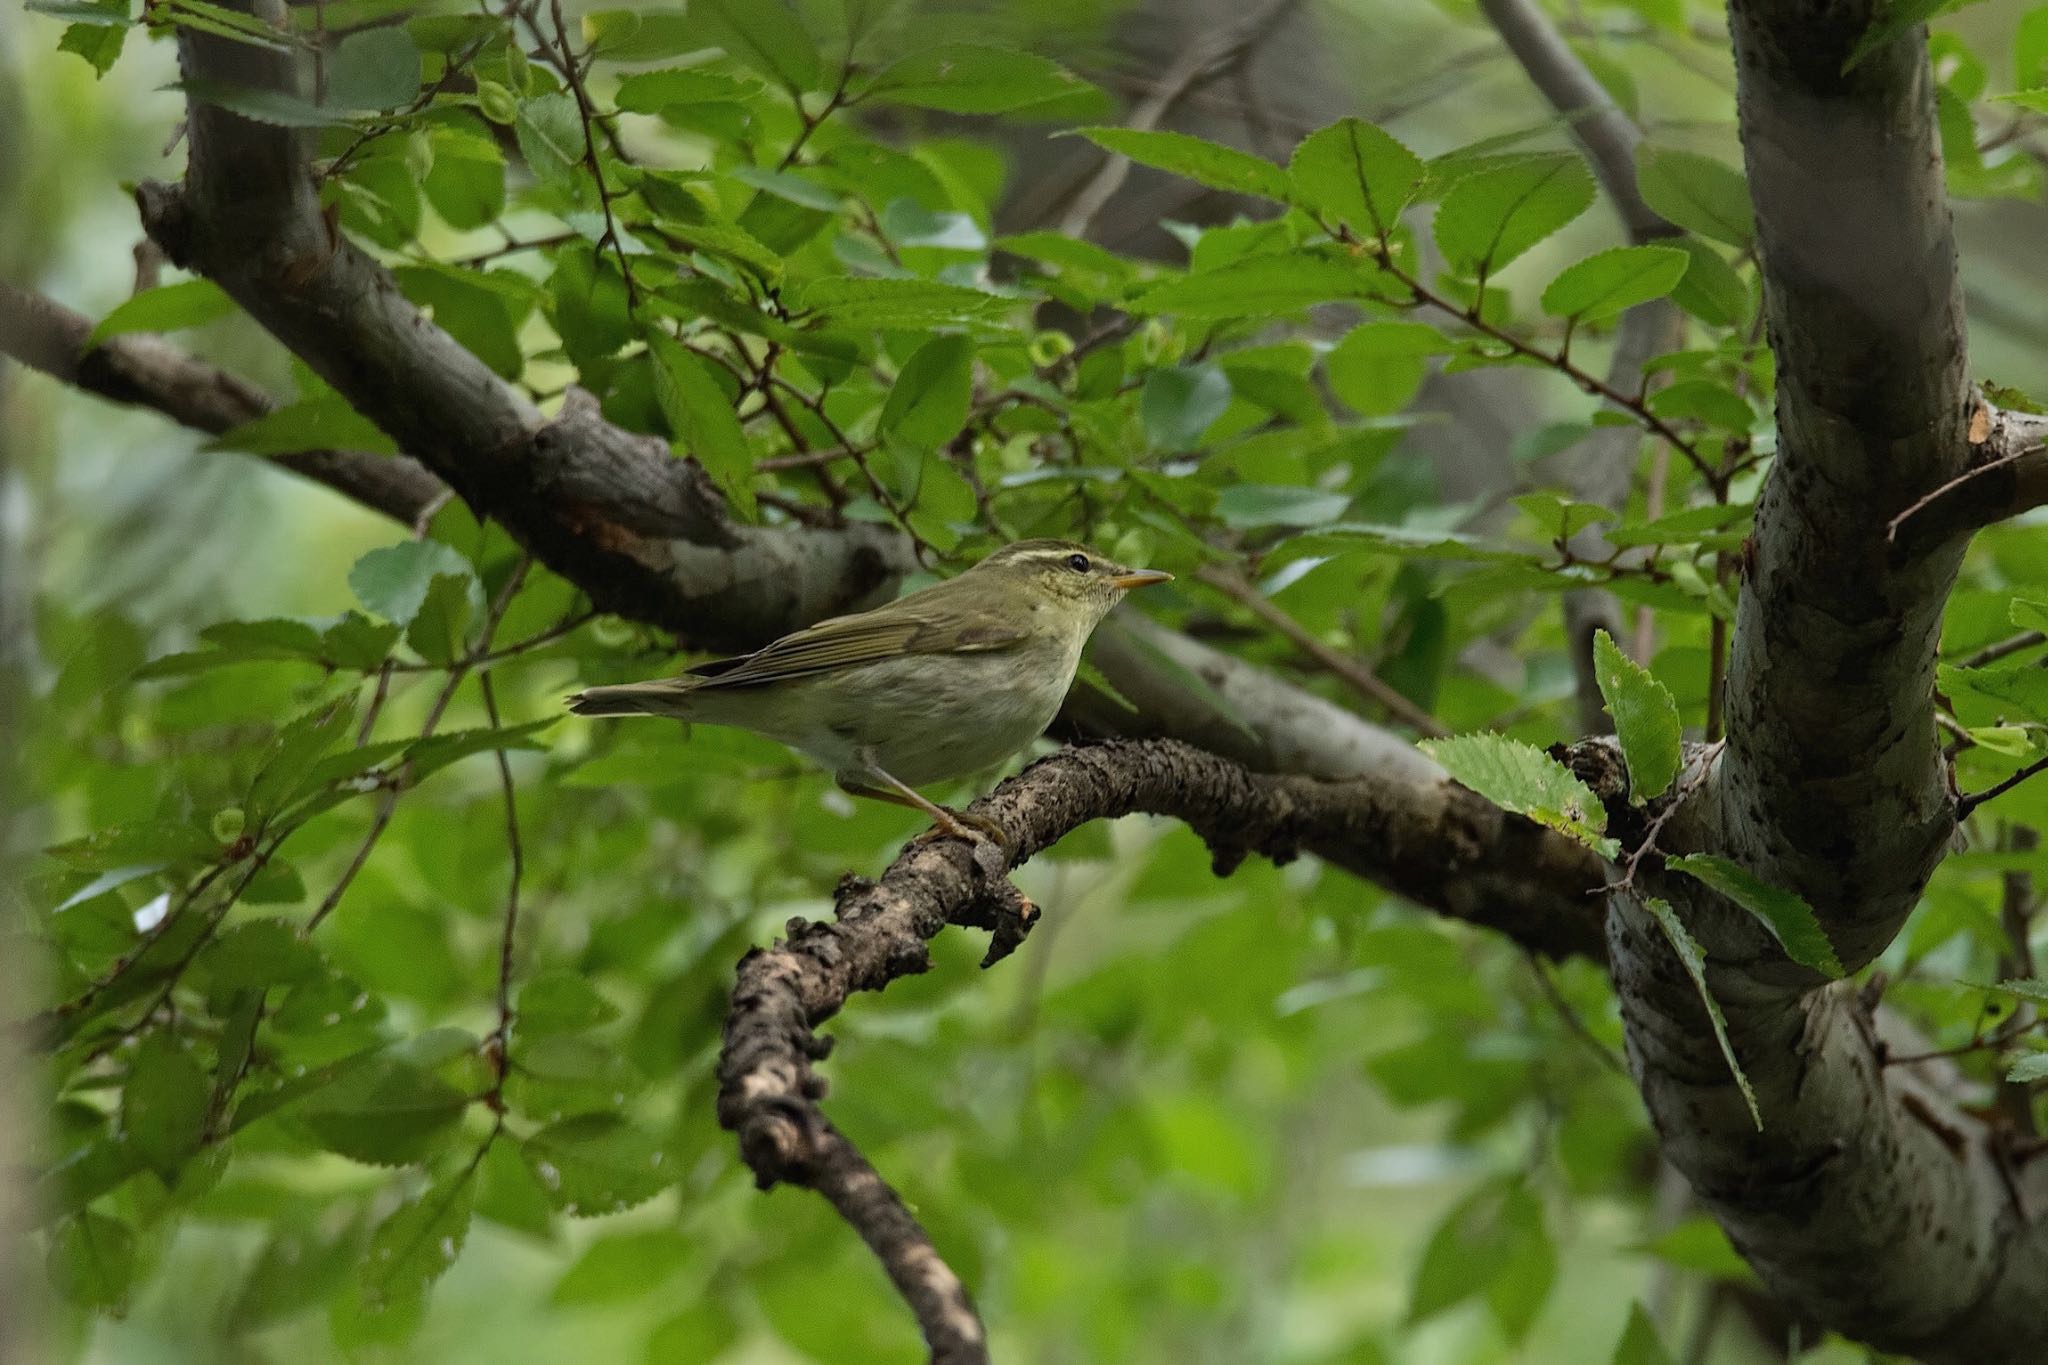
point(1078, 563)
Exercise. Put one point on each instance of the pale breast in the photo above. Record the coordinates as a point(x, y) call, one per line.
point(931, 719)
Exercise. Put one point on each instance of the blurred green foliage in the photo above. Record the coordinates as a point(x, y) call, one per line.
point(282, 749)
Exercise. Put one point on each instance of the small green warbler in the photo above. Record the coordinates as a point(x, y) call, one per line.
point(936, 685)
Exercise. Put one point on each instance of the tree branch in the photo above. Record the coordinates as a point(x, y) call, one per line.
point(768, 1088)
point(1867, 1199)
point(2008, 476)
point(1600, 468)
point(148, 372)
point(645, 534)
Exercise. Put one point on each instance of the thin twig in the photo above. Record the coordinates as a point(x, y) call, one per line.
point(1967, 804)
point(1347, 669)
point(1203, 62)
point(501, 1037)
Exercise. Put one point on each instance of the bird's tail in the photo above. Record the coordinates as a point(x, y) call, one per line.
point(664, 698)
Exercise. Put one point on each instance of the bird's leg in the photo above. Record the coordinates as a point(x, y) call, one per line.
point(950, 824)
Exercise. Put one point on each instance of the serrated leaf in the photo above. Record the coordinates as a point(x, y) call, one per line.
point(965, 78)
point(2028, 1069)
point(1178, 404)
point(1645, 719)
point(166, 308)
point(2023, 686)
point(99, 44)
point(440, 627)
point(323, 422)
point(385, 1113)
point(373, 68)
point(1694, 960)
point(2026, 988)
point(701, 415)
point(1697, 193)
point(649, 92)
point(848, 301)
point(763, 34)
point(163, 1105)
point(561, 1001)
point(1614, 281)
point(294, 752)
point(1522, 778)
point(1789, 918)
point(419, 1241)
point(1557, 518)
point(1491, 217)
point(596, 1164)
point(927, 405)
point(438, 751)
point(550, 134)
point(1263, 286)
point(392, 581)
point(1356, 174)
point(1193, 158)
point(1712, 290)
point(1717, 522)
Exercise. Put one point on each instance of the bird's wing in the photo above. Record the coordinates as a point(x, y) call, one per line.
point(911, 625)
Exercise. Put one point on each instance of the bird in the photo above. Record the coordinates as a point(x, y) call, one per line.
point(936, 685)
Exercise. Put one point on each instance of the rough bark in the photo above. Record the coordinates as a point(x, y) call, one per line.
point(1865, 1199)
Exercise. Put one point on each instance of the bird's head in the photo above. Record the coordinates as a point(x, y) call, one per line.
point(1062, 577)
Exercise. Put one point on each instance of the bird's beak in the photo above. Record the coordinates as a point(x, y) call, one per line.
point(1141, 578)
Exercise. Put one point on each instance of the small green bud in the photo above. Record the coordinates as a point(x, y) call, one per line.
point(228, 824)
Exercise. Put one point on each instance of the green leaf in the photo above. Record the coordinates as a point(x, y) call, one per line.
point(419, 1241)
point(550, 134)
point(100, 44)
point(763, 34)
point(385, 1113)
point(469, 310)
point(2026, 988)
point(258, 954)
point(1356, 174)
point(436, 752)
point(1494, 1236)
point(355, 641)
point(1378, 366)
point(1249, 506)
point(2029, 1068)
point(91, 1260)
point(294, 752)
point(1614, 281)
point(1694, 960)
point(467, 183)
point(392, 581)
point(1263, 286)
point(1704, 400)
point(927, 406)
point(849, 301)
point(650, 92)
point(1558, 519)
point(1891, 21)
point(701, 415)
point(325, 422)
point(596, 1164)
point(1522, 778)
point(1639, 1344)
point(1645, 719)
point(1178, 405)
point(374, 68)
point(1723, 521)
point(166, 308)
point(560, 1001)
point(163, 1105)
point(1712, 290)
point(440, 628)
point(1789, 918)
point(1697, 193)
point(963, 78)
point(626, 1267)
point(1489, 218)
point(2023, 686)
point(1698, 1244)
point(1205, 163)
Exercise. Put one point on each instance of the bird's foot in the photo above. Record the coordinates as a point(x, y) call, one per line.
point(968, 828)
